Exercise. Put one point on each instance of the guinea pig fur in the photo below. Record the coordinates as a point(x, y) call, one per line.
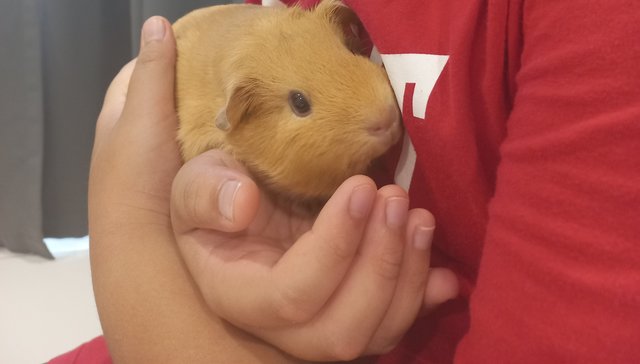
point(281, 90)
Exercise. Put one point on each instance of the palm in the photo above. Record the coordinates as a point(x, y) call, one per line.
point(254, 250)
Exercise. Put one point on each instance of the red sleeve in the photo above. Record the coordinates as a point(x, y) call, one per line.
point(94, 352)
point(559, 279)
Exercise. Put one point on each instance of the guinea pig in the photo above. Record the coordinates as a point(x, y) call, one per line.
point(284, 91)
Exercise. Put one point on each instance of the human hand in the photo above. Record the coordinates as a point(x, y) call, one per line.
point(149, 308)
point(135, 155)
point(346, 284)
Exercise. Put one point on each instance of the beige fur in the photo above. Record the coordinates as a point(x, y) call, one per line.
point(236, 67)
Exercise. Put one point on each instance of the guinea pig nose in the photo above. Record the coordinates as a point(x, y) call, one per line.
point(384, 123)
point(378, 128)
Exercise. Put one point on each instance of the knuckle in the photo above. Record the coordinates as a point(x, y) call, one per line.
point(190, 202)
point(344, 349)
point(293, 307)
point(389, 263)
point(418, 278)
point(195, 200)
point(152, 53)
point(384, 345)
point(339, 249)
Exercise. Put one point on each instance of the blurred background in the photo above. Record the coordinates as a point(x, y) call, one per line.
point(57, 58)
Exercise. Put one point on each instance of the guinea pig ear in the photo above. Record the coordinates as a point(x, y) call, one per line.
point(222, 121)
point(241, 103)
point(346, 19)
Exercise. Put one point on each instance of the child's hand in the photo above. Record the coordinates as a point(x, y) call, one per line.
point(349, 283)
point(149, 308)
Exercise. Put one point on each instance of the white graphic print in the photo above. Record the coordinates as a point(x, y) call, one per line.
point(406, 163)
point(423, 70)
point(272, 3)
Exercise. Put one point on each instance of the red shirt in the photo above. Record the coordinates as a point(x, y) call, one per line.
point(527, 151)
point(91, 352)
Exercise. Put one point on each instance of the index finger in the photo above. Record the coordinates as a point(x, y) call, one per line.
point(310, 271)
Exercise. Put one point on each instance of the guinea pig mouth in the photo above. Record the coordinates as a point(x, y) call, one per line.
point(379, 130)
point(385, 126)
point(384, 132)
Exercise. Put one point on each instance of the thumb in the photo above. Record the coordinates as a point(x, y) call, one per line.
point(150, 97)
point(213, 191)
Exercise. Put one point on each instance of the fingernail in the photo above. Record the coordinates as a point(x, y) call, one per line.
point(153, 29)
point(396, 210)
point(361, 201)
point(422, 237)
point(226, 196)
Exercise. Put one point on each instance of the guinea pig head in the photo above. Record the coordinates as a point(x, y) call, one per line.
point(304, 111)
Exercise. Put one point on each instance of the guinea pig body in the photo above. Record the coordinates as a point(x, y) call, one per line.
point(281, 91)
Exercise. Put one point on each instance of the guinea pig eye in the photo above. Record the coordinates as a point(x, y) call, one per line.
point(299, 103)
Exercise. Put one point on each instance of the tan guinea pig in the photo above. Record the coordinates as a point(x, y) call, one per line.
point(280, 90)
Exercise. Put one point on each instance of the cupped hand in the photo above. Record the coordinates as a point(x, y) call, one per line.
point(347, 283)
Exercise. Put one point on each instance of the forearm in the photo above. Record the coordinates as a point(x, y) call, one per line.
point(151, 311)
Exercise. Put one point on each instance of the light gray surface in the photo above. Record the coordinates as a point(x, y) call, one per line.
point(46, 306)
